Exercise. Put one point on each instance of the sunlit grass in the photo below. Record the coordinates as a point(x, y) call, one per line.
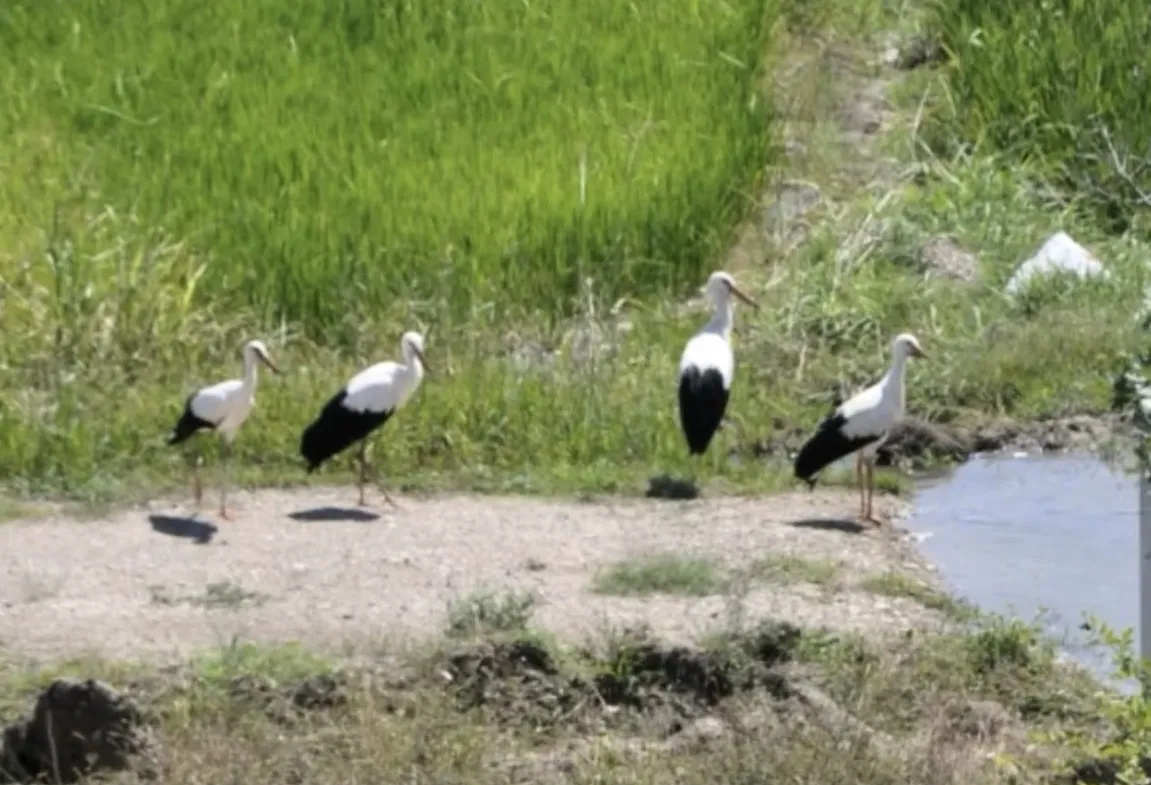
point(324, 160)
point(1060, 85)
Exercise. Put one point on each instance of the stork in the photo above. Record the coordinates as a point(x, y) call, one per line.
point(222, 408)
point(706, 367)
point(861, 425)
point(364, 404)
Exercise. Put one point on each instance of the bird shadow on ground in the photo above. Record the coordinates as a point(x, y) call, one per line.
point(845, 525)
point(321, 514)
point(199, 532)
point(664, 486)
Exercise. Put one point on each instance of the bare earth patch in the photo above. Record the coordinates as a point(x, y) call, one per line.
point(72, 587)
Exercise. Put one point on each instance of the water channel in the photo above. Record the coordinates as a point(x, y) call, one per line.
point(1020, 535)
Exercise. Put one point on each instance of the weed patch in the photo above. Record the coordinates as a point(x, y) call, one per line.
point(787, 568)
point(487, 612)
point(664, 573)
point(893, 584)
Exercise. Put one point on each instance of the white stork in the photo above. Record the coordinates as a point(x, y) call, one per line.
point(223, 408)
point(706, 367)
point(861, 425)
point(364, 404)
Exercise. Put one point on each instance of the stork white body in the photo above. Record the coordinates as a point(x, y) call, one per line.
point(861, 424)
point(222, 408)
point(707, 366)
point(226, 404)
point(363, 405)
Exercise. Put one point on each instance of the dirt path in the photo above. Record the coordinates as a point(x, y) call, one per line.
point(150, 583)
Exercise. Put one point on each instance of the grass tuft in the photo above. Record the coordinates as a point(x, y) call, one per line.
point(662, 573)
point(894, 584)
point(789, 568)
point(486, 612)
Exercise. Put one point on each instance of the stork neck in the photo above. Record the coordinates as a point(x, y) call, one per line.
point(722, 319)
point(250, 371)
point(412, 365)
point(895, 377)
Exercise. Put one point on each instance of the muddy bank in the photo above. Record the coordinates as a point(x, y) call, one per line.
point(628, 690)
point(917, 444)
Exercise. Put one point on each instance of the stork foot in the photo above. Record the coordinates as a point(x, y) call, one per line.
point(225, 514)
point(390, 501)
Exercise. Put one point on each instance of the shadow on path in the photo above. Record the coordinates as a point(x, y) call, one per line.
point(199, 532)
point(845, 525)
point(318, 514)
point(664, 486)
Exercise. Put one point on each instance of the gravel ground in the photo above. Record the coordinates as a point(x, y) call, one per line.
point(306, 565)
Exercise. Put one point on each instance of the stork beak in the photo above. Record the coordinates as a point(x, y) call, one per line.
point(917, 352)
point(268, 362)
point(422, 360)
point(744, 297)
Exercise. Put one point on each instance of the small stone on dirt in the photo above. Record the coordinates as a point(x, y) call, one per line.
point(77, 728)
point(942, 257)
point(863, 114)
point(793, 200)
point(918, 52)
point(979, 719)
point(323, 691)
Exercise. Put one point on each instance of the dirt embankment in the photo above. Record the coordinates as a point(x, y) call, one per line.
point(916, 444)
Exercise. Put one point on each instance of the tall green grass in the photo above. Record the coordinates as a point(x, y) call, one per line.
point(1063, 85)
point(327, 158)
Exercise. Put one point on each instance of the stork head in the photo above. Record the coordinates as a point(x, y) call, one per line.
point(412, 347)
point(907, 345)
point(255, 350)
point(721, 286)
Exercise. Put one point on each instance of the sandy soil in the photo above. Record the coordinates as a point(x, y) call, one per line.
point(318, 570)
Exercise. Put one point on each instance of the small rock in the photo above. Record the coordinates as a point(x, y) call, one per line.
point(942, 257)
point(919, 51)
point(793, 199)
point(77, 728)
point(1059, 254)
point(322, 691)
point(864, 112)
point(982, 719)
point(705, 729)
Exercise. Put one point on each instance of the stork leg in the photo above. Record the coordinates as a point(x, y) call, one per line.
point(197, 484)
point(859, 480)
point(871, 493)
point(363, 470)
point(387, 498)
point(227, 474)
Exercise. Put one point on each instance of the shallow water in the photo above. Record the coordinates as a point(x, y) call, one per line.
point(1018, 535)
